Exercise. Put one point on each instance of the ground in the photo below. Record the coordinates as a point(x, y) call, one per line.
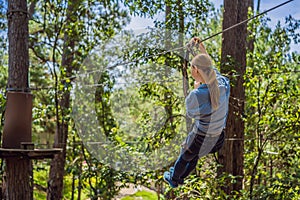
point(130, 190)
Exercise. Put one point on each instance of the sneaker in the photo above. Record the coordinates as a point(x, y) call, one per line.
point(167, 178)
point(180, 181)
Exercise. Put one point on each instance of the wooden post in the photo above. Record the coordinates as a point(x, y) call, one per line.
point(17, 125)
point(18, 149)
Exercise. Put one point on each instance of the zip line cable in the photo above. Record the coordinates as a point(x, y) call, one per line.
point(161, 53)
point(179, 48)
point(251, 18)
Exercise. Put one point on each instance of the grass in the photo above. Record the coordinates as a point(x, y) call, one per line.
point(144, 194)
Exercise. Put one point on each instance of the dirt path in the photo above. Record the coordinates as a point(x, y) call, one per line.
point(131, 189)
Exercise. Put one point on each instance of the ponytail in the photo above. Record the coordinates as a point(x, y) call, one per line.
point(214, 92)
point(204, 64)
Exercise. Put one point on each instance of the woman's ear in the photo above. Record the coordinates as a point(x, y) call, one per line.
point(195, 68)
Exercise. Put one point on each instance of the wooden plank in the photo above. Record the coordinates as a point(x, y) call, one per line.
point(29, 153)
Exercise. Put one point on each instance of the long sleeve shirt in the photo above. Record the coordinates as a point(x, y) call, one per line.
point(198, 107)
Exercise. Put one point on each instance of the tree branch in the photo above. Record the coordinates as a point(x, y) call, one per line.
point(31, 9)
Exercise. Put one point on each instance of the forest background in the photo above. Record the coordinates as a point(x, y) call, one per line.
point(270, 108)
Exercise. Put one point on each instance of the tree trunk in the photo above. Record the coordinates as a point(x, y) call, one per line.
point(18, 174)
point(18, 171)
point(168, 46)
point(55, 183)
point(184, 60)
point(234, 47)
point(18, 44)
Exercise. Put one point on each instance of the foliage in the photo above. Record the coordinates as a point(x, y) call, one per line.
point(272, 121)
point(271, 112)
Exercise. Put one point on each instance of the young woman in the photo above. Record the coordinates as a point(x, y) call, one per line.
point(207, 104)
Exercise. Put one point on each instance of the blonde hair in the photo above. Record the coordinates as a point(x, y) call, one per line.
point(203, 63)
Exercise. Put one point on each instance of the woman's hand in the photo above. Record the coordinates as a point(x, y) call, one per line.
point(196, 42)
point(196, 84)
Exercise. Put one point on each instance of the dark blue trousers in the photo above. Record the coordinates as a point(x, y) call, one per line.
point(196, 146)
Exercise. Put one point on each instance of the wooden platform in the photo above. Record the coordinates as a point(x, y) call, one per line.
point(31, 154)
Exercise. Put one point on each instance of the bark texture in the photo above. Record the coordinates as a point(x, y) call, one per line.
point(17, 180)
point(233, 58)
point(57, 171)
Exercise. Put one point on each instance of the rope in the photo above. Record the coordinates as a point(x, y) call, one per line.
point(179, 48)
point(11, 12)
point(251, 18)
point(166, 51)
